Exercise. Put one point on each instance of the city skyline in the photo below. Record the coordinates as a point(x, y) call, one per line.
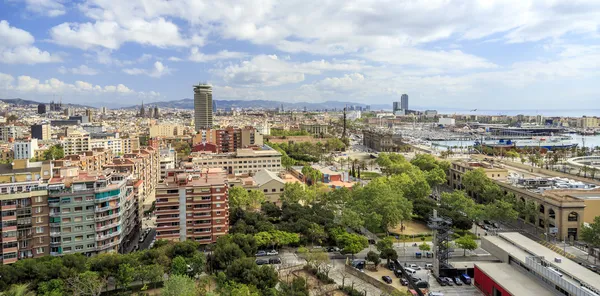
point(474, 55)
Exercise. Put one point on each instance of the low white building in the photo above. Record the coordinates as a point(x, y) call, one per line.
point(353, 115)
point(447, 121)
point(25, 149)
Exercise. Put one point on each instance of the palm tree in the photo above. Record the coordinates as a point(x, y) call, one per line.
point(342, 161)
point(19, 290)
point(593, 171)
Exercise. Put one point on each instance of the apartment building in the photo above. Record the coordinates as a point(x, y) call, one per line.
point(193, 205)
point(76, 142)
point(89, 161)
point(166, 130)
point(9, 133)
point(90, 212)
point(168, 159)
point(25, 149)
point(144, 164)
point(229, 139)
point(243, 161)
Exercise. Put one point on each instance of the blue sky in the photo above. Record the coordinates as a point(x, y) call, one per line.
point(510, 54)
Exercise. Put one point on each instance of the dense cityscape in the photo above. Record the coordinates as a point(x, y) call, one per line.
point(299, 148)
point(134, 199)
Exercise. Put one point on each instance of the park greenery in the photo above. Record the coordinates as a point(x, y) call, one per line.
point(305, 153)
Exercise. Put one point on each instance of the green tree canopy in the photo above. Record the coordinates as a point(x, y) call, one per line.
point(179, 285)
point(466, 243)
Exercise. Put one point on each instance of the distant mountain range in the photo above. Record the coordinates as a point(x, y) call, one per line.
point(264, 104)
point(21, 102)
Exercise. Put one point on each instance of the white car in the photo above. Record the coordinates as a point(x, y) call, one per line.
point(272, 252)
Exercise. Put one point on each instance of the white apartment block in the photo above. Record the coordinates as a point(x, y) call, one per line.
point(25, 150)
point(9, 132)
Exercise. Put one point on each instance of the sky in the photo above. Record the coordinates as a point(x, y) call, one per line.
point(485, 54)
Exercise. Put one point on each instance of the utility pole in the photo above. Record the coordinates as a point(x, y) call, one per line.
point(344, 127)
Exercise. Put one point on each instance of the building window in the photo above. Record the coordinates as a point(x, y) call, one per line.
point(66, 239)
point(39, 230)
point(66, 220)
point(78, 199)
point(265, 190)
point(66, 229)
point(273, 190)
point(78, 219)
point(66, 210)
point(573, 216)
point(38, 220)
point(78, 228)
point(39, 251)
point(79, 238)
point(78, 209)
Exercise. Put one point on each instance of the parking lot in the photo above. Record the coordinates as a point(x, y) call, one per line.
point(434, 286)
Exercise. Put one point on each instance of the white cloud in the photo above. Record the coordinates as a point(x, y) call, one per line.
point(16, 47)
point(197, 56)
point(81, 70)
point(269, 70)
point(157, 71)
point(175, 59)
point(51, 8)
point(27, 85)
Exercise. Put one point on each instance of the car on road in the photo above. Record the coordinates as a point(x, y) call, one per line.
point(386, 279)
point(441, 281)
point(261, 253)
point(403, 282)
point(428, 266)
point(276, 260)
point(262, 261)
point(414, 279)
point(449, 281)
point(272, 252)
point(398, 273)
point(435, 294)
point(457, 281)
point(415, 267)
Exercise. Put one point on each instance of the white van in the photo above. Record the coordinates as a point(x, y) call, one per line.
point(435, 294)
point(410, 270)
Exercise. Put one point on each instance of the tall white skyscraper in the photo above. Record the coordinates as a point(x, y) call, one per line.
point(203, 106)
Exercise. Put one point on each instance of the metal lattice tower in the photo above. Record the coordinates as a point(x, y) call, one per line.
point(442, 235)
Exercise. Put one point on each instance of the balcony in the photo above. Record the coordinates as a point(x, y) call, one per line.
point(54, 224)
point(9, 260)
point(9, 218)
point(54, 204)
point(107, 246)
point(9, 239)
point(108, 198)
point(54, 214)
point(54, 234)
point(107, 217)
point(108, 226)
point(9, 207)
point(54, 243)
point(98, 210)
point(107, 236)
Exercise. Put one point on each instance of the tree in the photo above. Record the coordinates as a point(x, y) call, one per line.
point(512, 155)
point(86, 283)
point(179, 266)
point(385, 243)
point(125, 275)
point(373, 257)
point(245, 271)
point(500, 210)
point(316, 233)
point(352, 243)
point(197, 264)
point(590, 234)
point(238, 197)
point(19, 290)
point(54, 152)
point(475, 181)
point(179, 285)
point(255, 199)
point(298, 287)
point(54, 287)
point(466, 243)
point(389, 254)
point(424, 247)
point(293, 193)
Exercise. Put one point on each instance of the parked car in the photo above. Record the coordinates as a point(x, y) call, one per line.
point(261, 253)
point(262, 261)
point(403, 282)
point(386, 279)
point(422, 285)
point(398, 273)
point(410, 270)
point(435, 294)
point(358, 264)
point(414, 279)
point(428, 266)
point(333, 249)
point(457, 281)
point(449, 281)
point(272, 252)
point(276, 260)
point(415, 267)
point(441, 281)
point(465, 279)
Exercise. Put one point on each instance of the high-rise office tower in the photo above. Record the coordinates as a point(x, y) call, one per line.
point(404, 101)
point(42, 109)
point(203, 106)
point(397, 106)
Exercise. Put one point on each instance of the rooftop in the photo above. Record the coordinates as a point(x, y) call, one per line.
point(532, 248)
point(263, 176)
point(506, 276)
point(194, 178)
